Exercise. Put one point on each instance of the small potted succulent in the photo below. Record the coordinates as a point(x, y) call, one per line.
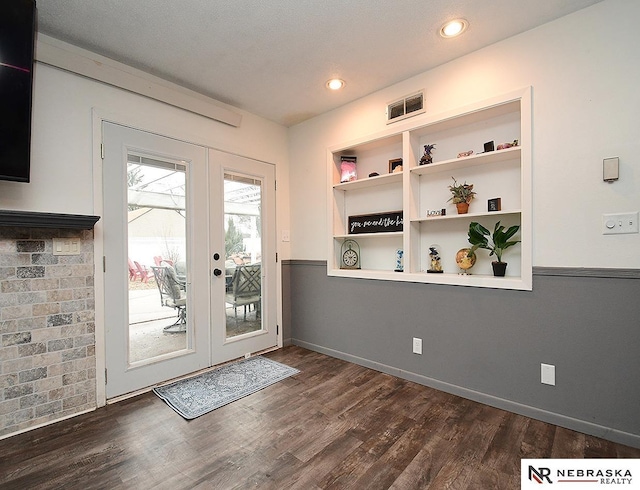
point(462, 196)
point(479, 238)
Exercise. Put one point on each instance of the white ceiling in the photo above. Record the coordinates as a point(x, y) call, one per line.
point(273, 57)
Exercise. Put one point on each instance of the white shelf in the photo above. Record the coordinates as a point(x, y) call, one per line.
point(369, 182)
point(464, 216)
point(353, 236)
point(465, 162)
point(450, 279)
point(504, 173)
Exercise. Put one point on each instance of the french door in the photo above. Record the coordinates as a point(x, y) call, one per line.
point(188, 283)
point(244, 256)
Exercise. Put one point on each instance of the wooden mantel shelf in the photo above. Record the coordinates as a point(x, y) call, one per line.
point(29, 219)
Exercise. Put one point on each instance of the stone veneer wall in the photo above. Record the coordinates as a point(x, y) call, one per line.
point(47, 341)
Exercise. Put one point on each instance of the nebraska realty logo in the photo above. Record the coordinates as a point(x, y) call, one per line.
point(580, 473)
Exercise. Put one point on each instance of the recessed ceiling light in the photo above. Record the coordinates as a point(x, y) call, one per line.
point(335, 84)
point(454, 28)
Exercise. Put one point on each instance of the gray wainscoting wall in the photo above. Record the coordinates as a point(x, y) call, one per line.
point(487, 344)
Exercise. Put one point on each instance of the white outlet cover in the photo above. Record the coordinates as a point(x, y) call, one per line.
point(417, 345)
point(548, 374)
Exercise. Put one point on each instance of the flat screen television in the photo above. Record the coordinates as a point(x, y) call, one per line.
point(17, 38)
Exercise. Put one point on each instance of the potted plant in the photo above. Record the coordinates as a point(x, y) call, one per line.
point(462, 195)
point(497, 243)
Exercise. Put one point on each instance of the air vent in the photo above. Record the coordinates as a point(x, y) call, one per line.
point(408, 106)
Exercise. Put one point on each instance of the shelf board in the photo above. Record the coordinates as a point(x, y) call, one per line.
point(387, 275)
point(479, 159)
point(389, 234)
point(369, 182)
point(450, 279)
point(462, 216)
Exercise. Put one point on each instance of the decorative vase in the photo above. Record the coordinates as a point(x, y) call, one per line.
point(399, 260)
point(463, 207)
point(499, 268)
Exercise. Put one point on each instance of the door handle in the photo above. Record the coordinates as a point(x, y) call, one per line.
point(217, 272)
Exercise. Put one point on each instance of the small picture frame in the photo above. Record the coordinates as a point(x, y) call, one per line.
point(395, 165)
point(348, 171)
point(494, 204)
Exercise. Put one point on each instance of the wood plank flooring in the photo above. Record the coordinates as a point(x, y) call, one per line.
point(335, 425)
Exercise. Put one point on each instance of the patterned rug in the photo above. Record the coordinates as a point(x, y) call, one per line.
point(196, 396)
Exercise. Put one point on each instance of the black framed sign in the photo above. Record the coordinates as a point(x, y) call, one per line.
point(376, 223)
point(494, 204)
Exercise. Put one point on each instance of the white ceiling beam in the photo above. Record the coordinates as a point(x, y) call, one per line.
point(76, 60)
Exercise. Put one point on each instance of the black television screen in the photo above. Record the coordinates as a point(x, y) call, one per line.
point(17, 34)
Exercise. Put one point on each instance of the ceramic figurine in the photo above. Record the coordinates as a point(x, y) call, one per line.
point(434, 256)
point(504, 146)
point(427, 157)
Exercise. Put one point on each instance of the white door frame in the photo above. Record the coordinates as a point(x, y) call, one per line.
point(135, 121)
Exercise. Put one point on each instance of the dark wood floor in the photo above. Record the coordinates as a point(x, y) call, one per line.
point(334, 425)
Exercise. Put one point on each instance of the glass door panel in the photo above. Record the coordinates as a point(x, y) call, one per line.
point(243, 254)
point(156, 221)
point(155, 228)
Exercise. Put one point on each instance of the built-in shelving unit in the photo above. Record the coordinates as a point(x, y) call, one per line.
point(419, 190)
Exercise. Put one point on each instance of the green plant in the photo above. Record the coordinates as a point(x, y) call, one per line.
point(232, 239)
point(479, 238)
point(461, 192)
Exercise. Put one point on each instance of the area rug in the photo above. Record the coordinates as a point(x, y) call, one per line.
point(196, 396)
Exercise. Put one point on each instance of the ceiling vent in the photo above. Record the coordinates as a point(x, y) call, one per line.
point(408, 106)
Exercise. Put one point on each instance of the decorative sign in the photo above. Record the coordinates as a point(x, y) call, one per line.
point(376, 223)
point(433, 212)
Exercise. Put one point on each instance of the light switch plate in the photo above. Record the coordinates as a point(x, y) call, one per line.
point(66, 246)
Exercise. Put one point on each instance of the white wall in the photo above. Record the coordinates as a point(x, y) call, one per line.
point(62, 141)
point(586, 107)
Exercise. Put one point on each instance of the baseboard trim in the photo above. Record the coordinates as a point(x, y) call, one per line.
point(585, 427)
point(287, 342)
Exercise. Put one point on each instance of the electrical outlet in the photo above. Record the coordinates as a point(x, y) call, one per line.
point(417, 345)
point(548, 374)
